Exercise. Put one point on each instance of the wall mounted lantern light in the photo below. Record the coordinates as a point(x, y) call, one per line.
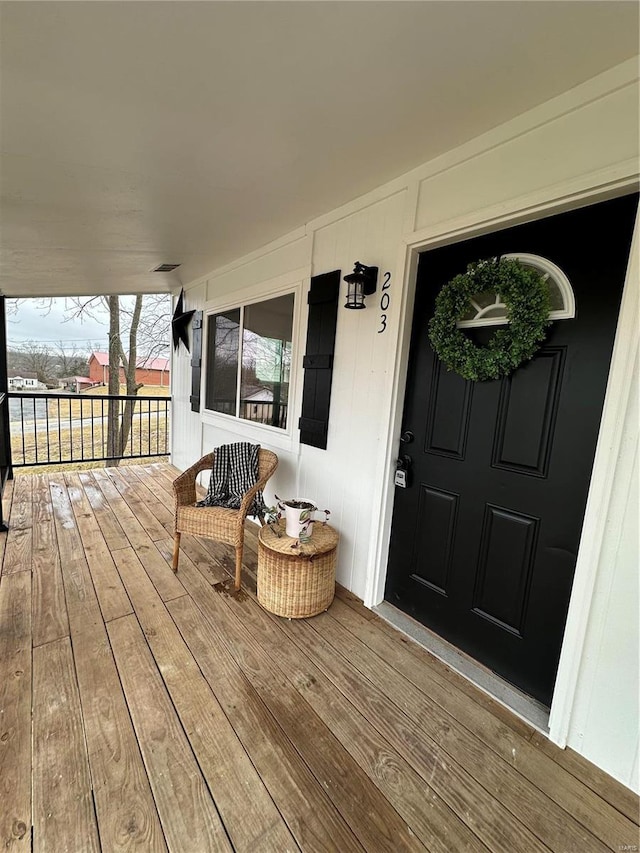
point(360, 283)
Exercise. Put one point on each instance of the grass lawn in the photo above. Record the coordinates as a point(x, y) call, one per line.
point(74, 406)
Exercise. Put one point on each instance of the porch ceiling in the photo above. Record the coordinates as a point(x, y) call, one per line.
point(147, 132)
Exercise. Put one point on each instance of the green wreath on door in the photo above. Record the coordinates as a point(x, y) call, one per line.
point(526, 297)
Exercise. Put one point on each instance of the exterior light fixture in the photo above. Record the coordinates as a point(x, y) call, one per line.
point(360, 283)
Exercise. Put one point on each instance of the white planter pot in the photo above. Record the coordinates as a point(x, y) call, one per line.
point(293, 524)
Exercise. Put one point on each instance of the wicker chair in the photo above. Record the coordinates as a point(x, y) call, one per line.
point(215, 522)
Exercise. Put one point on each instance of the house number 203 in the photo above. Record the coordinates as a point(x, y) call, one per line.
point(385, 301)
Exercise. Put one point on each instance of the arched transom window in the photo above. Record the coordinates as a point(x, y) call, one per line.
point(488, 309)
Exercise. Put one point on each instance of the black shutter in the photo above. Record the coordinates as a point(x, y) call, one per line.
point(196, 360)
point(318, 361)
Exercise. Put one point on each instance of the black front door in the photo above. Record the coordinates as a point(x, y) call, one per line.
point(484, 538)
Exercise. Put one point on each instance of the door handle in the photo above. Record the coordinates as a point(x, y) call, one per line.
point(404, 463)
point(407, 437)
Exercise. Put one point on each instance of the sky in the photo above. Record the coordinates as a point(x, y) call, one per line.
point(48, 323)
point(35, 321)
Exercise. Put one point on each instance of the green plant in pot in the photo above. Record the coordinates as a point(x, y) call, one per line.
point(298, 515)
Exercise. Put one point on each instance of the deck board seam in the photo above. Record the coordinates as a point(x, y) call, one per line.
point(311, 710)
point(458, 722)
point(230, 720)
point(179, 717)
point(392, 746)
point(501, 761)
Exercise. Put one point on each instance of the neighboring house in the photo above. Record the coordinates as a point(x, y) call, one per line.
point(77, 384)
point(257, 405)
point(26, 382)
point(516, 539)
point(153, 371)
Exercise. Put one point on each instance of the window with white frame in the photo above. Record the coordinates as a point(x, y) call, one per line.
point(488, 309)
point(249, 361)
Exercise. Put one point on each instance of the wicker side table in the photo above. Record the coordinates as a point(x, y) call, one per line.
point(297, 582)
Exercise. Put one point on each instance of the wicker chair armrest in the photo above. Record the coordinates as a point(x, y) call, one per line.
point(247, 500)
point(184, 486)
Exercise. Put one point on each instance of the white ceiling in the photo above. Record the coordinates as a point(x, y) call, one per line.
point(137, 133)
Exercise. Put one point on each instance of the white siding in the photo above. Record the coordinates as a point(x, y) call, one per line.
point(583, 141)
point(562, 150)
point(342, 478)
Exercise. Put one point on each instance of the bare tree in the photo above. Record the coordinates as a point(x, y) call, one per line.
point(143, 321)
point(118, 431)
point(71, 361)
point(148, 333)
point(37, 359)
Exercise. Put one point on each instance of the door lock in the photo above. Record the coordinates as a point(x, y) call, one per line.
point(402, 475)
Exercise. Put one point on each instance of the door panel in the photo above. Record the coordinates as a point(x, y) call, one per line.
point(435, 530)
point(507, 544)
point(448, 414)
point(485, 538)
point(527, 414)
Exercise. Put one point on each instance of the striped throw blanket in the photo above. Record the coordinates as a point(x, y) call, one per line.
point(235, 471)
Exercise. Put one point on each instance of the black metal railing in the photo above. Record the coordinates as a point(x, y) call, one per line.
point(49, 429)
point(5, 451)
point(258, 411)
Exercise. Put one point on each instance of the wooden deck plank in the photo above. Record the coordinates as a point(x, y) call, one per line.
point(17, 551)
point(6, 514)
point(82, 604)
point(155, 480)
point(111, 594)
point(189, 817)
point(352, 735)
point(604, 786)
point(560, 787)
point(313, 820)
point(154, 494)
point(553, 825)
point(111, 528)
point(63, 814)
point(7, 497)
point(15, 712)
point(438, 667)
point(127, 816)
point(483, 814)
point(137, 478)
point(49, 606)
point(571, 792)
point(144, 510)
point(231, 777)
point(126, 812)
point(376, 824)
point(164, 579)
point(165, 472)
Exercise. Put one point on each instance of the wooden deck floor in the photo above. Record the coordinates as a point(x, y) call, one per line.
point(140, 710)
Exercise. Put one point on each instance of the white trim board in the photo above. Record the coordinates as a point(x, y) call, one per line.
point(596, 519)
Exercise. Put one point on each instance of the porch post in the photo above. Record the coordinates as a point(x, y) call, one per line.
point(6, 469)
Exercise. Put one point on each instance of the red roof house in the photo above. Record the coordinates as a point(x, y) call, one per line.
point(153, 371)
